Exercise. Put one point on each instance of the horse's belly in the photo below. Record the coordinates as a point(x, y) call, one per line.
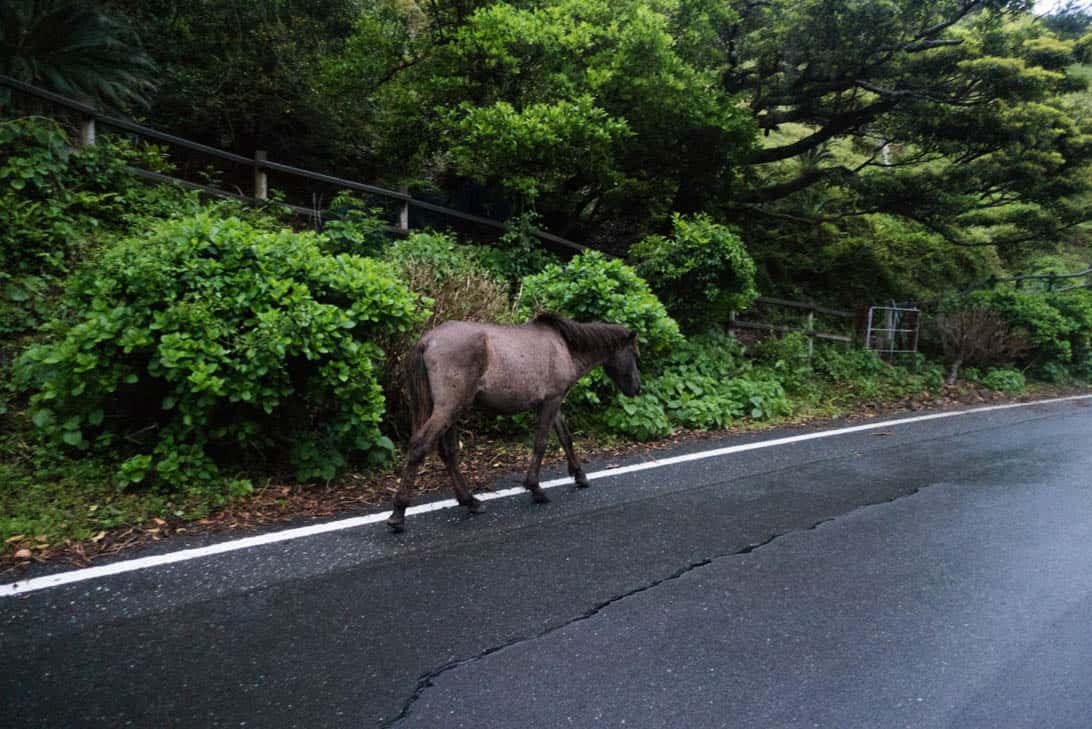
point(505, 402)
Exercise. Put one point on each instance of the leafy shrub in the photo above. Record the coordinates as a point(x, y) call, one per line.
point(44, 216)
point(702, 273)
point(55, 200)
point(701, 402)
point(838, 365)
point(1004, 379)
point(354, 228)
point(517, 254)
point(1076, 306)
point(439, 251)
point(788, 357)
point(207, 338)
point(641, 417)
point(591, 287)
point(1048, 329)
point(705, 384)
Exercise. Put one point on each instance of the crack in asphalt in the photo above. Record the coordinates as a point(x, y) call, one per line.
point(426, 680)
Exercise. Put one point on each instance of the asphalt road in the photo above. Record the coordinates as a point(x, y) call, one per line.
point(933, 574)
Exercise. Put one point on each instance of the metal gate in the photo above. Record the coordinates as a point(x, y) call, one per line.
point(893, 330)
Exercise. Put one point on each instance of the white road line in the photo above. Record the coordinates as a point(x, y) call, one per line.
point(130, 565)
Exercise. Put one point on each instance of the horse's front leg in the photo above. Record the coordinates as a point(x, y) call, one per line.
point(546, 414)
point(566, 439)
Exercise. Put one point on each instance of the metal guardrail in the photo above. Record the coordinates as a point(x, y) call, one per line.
point(90, 116)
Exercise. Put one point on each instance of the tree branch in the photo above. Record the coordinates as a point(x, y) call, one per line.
point(838, 124)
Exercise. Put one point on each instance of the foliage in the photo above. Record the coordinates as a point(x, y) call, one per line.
point(1058, 325)
point(592, 287)
point(518, 253)
point(788, 356)
point(207, 338)
point(452, 276)
point(440, 251)
point(702, 273)
point(641, 417)
point(1004, 379)
point(354, 229)
point(52, 198)
point(243, 75)
point(838, 365)
point(74, 49)
point(536, 148)
point(705, 384)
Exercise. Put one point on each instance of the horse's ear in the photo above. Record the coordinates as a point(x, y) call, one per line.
point(632, 336)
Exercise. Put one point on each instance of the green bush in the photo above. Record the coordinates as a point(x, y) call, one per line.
point(592, 287)
point(838, 365)
point(45, 216)
point(517, 254)
point(354, 229)
point(641, 417)
point(207, 339)
point(439, 251)
point(702, 273)
point(1076, 306)
point(1004, 379)
point(705, 383)
point(788, 357)
point(1052, 332)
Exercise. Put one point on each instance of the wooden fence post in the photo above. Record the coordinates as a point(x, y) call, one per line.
point(87, 131)
point(403, 212)
point(261, 181)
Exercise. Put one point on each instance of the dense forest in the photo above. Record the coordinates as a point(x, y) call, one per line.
point(867, 149)
point(844, 151)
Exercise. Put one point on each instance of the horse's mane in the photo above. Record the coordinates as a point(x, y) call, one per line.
point(586, 337)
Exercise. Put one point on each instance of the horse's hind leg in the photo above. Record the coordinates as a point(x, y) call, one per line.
point(566, 439)
point(546, 414)
point(449, 452)
point(421, 444)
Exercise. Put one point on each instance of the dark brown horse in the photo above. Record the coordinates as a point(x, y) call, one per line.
point(505, 369)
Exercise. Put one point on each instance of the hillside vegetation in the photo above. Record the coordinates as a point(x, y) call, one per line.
point(164, 355)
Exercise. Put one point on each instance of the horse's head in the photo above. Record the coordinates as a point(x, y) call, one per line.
point(621, 366)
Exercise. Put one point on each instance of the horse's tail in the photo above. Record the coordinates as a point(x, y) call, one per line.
point(417, 384)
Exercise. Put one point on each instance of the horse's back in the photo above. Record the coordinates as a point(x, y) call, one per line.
point(510, 367)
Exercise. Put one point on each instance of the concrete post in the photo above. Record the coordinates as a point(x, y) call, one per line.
point(403, 213)
point(261, 182)
point(87, 131)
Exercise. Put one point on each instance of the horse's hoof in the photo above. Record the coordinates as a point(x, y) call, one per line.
point(396, 524)
point(582, 482)
point(539, 496)
point(475, 506)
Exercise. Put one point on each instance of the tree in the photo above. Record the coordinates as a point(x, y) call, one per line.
point(76, 50)
point(602, 115)
point(241, 74)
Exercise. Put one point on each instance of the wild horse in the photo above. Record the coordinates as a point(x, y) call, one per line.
point(505, 369)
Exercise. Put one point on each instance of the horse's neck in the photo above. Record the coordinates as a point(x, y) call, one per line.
point(585, 362)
